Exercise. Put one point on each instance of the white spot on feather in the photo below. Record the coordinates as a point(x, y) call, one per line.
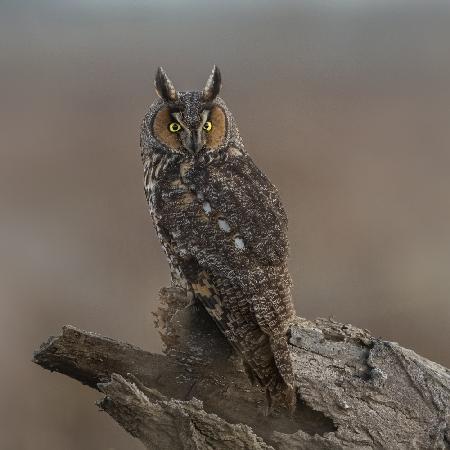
point(234, 152)
point(200, 196)
point(239, 243)
point(223, 225)
point(207, 207)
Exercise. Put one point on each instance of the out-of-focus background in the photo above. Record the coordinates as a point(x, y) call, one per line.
point(344, 103)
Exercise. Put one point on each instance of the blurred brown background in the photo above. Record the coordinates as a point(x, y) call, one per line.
point(344, 103)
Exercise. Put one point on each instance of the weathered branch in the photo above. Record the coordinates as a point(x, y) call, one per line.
point(354, 390)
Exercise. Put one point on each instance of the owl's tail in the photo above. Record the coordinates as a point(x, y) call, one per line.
point(281, 388)
point(273, 311)
point(256, 328)
point(270, 366)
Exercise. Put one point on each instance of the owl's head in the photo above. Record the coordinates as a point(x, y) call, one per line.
point(191, 122)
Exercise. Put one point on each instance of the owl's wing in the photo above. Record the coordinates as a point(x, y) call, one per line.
point(241, 196)
point(226, 224)
point(226, 214)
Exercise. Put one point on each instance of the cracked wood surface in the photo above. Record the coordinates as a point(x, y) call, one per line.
point(355, 391)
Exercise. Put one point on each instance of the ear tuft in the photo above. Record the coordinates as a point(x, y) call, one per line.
point(213, 85)
point(164, 87)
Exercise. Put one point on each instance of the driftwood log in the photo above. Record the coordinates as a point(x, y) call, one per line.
point(354, 390)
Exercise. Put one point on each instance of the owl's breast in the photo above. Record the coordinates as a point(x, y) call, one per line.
point(170, 190)
point(161, 179)
point(174, 203)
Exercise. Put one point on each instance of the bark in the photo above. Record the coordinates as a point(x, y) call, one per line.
point(354, 390)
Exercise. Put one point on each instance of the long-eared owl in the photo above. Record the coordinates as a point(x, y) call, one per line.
point(222, 226)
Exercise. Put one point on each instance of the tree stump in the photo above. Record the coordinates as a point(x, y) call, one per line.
point(354, 390)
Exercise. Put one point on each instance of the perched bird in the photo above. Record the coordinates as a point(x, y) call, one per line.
point(222, 226)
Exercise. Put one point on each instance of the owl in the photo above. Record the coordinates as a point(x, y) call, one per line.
point(222, 226)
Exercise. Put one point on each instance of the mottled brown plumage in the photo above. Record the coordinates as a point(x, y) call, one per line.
point(222, 226)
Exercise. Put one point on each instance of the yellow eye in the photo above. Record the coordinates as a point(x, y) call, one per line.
point(174, 127)
point(207, 126)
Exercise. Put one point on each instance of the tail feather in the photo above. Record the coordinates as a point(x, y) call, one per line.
point(284, 390)
point(256, 328)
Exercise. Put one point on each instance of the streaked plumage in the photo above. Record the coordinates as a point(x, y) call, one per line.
point(222, 226)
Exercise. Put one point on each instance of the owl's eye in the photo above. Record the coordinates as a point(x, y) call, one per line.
point(174, 127)
point(207, 126)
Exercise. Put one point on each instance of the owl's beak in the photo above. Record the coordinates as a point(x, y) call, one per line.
point(194, 141)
